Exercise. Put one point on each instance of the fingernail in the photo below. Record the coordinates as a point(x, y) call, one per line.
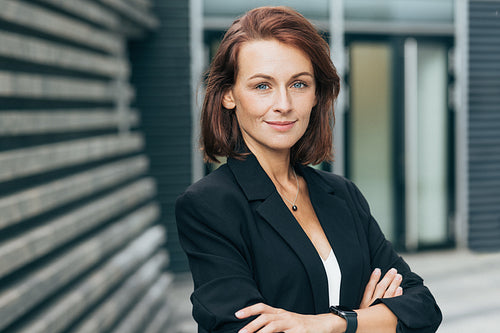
point(242, 331)
point(239, 314)
point(398, 277)
point(393, 271)
point(377, 271)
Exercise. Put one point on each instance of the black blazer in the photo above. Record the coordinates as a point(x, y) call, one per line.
point(244, 246)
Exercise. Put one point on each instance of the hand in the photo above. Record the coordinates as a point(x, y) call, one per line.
point(271, 320)
point(388, 287)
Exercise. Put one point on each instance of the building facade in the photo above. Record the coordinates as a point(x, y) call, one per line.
point(417, 121)
point(82, 235)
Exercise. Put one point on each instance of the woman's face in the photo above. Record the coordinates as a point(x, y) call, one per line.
point(274, 93)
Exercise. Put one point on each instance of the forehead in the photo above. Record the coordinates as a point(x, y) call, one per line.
point(272, 57)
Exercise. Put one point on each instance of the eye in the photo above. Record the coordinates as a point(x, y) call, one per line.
point(262, 86)
point(299, 85)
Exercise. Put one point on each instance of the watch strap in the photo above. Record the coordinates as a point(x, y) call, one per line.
point(349, 315)
point(352, 322)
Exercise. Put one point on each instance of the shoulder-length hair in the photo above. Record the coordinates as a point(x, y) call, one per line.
point(220, 133)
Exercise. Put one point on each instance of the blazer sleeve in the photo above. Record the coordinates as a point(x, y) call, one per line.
point(416, 309)
point(210, 234)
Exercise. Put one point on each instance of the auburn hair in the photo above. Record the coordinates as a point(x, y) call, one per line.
point(220, 132)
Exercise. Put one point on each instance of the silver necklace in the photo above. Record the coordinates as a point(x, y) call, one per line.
point(294, 206)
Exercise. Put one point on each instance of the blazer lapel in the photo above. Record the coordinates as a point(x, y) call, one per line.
point(257, 186)
point(338, 225)
point(275, 212)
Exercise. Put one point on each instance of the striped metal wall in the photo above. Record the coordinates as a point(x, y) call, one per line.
point(81, 249)
point(484, 125)
point(161, 75)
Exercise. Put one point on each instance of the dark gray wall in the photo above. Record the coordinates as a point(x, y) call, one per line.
point(161, 75)
point(484, 125)
point(81, 249)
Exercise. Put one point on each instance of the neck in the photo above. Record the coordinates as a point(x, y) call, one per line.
point(276, 165)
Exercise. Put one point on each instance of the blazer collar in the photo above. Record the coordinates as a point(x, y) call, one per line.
point(334, 217)
point(251, 177)
point(256, 184)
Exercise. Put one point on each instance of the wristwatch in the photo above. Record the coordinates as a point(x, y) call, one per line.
point(349, 315)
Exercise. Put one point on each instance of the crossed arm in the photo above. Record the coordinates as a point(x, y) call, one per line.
point(377, 318)
point(215, 247)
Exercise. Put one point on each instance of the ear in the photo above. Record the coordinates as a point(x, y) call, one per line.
point(228, 100)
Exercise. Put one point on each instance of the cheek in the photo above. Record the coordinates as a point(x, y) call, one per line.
point(306, 117)
point(250, 108)
point(305, 123)
point(245, 118)
point(306, 110)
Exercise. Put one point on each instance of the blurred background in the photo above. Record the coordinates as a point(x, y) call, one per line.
point(99, 109)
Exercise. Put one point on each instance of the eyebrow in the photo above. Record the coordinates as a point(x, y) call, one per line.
point(268, 77)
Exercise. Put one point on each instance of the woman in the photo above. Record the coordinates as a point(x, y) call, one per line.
point(274, 245)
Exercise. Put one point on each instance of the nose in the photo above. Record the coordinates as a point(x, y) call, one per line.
point(283, 102)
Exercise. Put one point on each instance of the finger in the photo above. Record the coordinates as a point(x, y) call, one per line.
point(253, 310)
point(391, 290)
point(399, 291)
point(370, 286)
point(281, 322)
point(273, 327)
point(257, 324)
point(384, 283)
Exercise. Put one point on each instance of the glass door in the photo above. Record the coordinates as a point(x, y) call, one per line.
point(398, 139)
point(426, 143)
point(370, 135)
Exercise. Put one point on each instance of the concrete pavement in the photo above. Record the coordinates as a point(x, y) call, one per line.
point(466, 286)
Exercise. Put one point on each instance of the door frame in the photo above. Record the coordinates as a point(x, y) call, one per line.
point(396, 44)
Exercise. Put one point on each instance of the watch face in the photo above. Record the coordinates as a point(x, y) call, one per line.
point(342, 311)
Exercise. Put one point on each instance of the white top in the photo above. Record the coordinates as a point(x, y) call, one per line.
point(333, 274)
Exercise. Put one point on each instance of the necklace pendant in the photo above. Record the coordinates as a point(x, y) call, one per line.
point(294, 208)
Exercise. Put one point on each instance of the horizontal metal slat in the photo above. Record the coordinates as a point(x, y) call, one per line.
point(38, 285)
point(14, 122)
point(39, 51)
point(484, 174)
point(485, 168)
point(28, 161)
point(31, 245)
point(486, 240)
point(490, 132)
point(102, 317)
point(63, 312)
point(486, 53)
point(486, 99)
point(145, 4)
point(484, 188)
point(158, 323)
point(141, 314)
point(477, 41)
point(483, 157)
point(486, 231)
point(34, 86)
point(483, 203)
point(49, 22)
point(487, 217)
point(88, 10)
point(36, 200)
point(133, 13)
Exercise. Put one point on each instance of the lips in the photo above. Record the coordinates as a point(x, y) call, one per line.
point(281, 125)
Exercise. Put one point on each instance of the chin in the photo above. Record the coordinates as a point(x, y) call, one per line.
point(283, 146)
